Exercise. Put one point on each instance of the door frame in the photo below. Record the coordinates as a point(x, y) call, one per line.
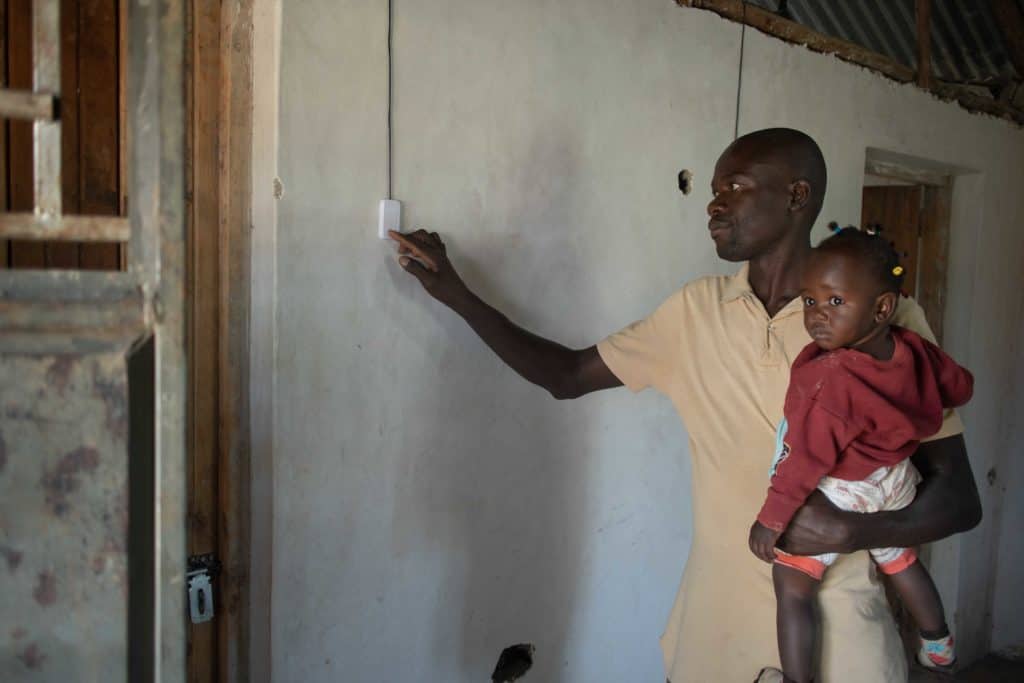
point(964, 564)
point(220, 150)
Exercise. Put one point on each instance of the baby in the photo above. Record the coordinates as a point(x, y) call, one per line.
point(861, 397)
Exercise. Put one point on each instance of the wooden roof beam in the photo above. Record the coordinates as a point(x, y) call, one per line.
point(792, 32)
point(923, 13)
point(1010, 21)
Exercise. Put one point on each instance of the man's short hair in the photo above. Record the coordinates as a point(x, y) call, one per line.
point(798, 153)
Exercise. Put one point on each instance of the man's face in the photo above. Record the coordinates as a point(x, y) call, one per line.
point(750, 209)
point(841, 303)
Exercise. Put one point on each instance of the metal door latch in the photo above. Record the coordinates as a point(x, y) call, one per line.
point(199, 578)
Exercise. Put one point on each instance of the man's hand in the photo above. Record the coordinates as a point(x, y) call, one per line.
point(818, 527)
point(762, 541)
point(946, 503)
point(424, 255)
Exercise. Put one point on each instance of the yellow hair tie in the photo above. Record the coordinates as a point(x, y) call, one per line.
point(897, 271)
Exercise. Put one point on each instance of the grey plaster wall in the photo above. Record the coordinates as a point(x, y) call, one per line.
point(1008, 625)
point(429, 507)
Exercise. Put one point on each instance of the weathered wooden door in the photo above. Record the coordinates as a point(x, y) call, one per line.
point(915, 218)
point(92, 362)
point(894, 210)
point(94, 176)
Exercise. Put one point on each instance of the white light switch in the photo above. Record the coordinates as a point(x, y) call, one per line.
point(389, 217)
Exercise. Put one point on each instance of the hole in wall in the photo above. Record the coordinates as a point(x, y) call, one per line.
point(685, 181)
point(513, 663)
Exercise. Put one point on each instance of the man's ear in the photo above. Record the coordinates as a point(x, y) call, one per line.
point(799, 195)
point(885, 307)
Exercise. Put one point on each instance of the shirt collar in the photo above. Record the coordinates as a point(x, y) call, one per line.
point(737, 285)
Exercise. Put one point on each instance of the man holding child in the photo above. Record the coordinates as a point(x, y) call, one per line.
point(721, 348)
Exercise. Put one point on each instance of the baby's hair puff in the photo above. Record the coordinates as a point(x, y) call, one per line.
point(875, 252)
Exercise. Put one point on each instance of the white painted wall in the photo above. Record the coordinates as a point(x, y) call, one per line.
point(263, 331)
point(429, 507)
point(1008, 624)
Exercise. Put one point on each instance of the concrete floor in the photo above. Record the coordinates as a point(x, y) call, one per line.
point(993, 669)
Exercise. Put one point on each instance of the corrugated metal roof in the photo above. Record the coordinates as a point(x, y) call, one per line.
point(967, 45)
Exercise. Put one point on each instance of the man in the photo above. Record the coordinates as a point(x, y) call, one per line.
point(721, 348)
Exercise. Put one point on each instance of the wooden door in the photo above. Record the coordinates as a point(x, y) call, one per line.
point(915, 218)
point(895, 211)
point(93, 163)
point(92, 363)
point(94, 180)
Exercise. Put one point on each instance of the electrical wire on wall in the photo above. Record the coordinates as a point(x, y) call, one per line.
point(389, 99)
point(389, 210)
point(739, 78)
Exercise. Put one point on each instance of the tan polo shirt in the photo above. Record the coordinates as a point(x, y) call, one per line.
point(713, 349)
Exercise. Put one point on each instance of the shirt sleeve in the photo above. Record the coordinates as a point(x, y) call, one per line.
point(910, 315)
point(645, 353)
point(811, 446)
point(956, 384)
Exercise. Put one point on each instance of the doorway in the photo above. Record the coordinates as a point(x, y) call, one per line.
point(910, 207)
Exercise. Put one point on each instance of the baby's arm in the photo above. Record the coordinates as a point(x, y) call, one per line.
point(814, 440)
point(812, 443)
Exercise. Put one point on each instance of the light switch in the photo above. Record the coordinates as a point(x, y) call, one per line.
point(389, 217)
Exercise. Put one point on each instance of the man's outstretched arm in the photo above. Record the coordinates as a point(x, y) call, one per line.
point(947, 503)
point(564, 372)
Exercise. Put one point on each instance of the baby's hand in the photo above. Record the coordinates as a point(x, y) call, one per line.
point(762, 541)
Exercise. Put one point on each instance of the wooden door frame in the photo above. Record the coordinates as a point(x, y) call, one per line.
point(235, 247)
point(221, 223)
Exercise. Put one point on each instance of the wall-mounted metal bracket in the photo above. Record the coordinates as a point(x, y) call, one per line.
point(202, 569)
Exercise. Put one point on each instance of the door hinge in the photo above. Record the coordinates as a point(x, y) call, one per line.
point(202, 569)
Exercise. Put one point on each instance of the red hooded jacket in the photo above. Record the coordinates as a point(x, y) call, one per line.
point(847, 414)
